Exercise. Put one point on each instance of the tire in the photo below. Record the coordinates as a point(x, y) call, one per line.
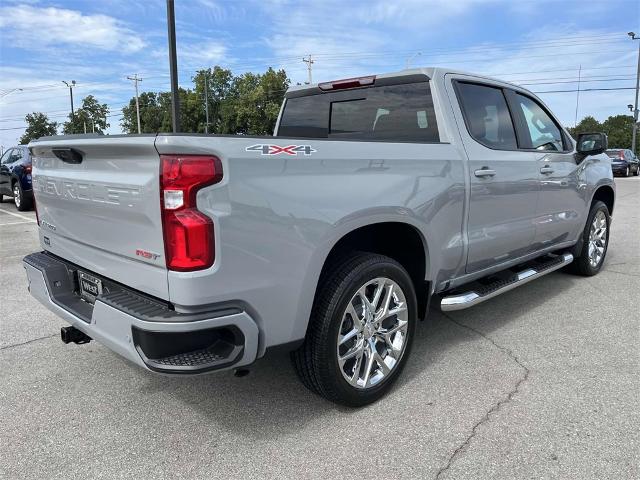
point(584, 262)
point(22, 202)
point(627, 172)
point(323, 365)
point(637, 170)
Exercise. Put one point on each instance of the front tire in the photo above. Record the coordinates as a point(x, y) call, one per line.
point(595, 241)
point(627, 172)
point(360, 332)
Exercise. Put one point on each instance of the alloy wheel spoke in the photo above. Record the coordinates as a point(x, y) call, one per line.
point(368, 367)
point(357, 321)
point(348, 336)
point(354, 351)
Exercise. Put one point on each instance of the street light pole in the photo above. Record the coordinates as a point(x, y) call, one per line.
point(173, 66)
point(635, 106)
point(71, 85)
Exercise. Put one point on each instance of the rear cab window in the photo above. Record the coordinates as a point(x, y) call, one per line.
point(486, 115)
point(390, 113)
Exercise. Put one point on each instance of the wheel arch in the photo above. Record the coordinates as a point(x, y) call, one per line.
point(605, 194)
point(400, 240)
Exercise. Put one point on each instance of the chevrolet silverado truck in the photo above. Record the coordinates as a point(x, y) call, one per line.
point(191, 253)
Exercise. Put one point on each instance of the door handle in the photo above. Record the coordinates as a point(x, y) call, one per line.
point(546, 169)
point(484, 172)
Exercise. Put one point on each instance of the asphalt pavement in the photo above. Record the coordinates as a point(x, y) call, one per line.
point(542, 382)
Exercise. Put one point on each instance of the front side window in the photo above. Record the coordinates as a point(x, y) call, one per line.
point(381, 113)
point(543, 132)
point(487, 116)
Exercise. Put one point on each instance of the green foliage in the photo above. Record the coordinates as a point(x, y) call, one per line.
point(245, 104)
point(91, 115)
point(618, 129)
point(38, 125)
point(587, 124)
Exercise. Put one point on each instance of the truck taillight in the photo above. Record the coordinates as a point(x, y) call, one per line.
point(188, 233)
point(621, 155)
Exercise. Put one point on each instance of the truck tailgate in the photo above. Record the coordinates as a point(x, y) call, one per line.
point(98, 202)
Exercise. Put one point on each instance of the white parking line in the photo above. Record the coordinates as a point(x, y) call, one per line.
point(17, 215)
point(17, 223)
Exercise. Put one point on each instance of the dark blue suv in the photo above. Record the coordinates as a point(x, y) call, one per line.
point(15, 177)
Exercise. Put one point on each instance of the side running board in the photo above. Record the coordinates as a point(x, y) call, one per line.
point(484, 289)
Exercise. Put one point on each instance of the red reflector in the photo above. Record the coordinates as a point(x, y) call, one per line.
point(348, 83)
point(188, 233)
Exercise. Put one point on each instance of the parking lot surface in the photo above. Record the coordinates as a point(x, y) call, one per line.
point(541, 382)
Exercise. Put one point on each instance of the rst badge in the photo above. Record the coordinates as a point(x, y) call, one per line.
point(270, 149)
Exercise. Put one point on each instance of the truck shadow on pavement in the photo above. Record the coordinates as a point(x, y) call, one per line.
point(271, 402)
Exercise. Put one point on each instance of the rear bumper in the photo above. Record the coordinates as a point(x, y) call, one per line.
point(142, 329)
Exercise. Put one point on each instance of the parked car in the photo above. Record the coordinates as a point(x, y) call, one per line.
point(15, 177)
point(624, 162)
point(194, 253)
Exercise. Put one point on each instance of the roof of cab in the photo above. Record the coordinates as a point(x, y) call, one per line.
point(429, 72)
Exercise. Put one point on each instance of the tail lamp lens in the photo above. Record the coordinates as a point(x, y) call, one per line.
point(188, 233)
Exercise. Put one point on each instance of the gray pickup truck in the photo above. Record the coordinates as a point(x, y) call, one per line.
point(193, 253)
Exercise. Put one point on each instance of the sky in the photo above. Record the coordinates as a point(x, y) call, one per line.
point(543, 45)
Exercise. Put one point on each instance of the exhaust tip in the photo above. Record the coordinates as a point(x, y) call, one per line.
point(73, 335)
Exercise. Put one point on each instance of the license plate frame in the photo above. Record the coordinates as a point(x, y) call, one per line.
point(90, 287)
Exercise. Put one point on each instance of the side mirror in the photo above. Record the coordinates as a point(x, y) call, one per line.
point(591, 143)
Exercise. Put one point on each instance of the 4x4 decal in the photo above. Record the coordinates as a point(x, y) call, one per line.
point(270, 149)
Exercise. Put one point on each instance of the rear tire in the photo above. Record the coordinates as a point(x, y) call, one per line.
point(22, 201)
point(595, 241)
point(360, 331)
point(637, 170)
point(627, 172)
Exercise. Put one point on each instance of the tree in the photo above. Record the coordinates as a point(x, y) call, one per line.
point(619, 130)
point(153, 114)
point(587, 125)
point(38, 125)
point(245, 104)
point(617, 127)
point(92, 117)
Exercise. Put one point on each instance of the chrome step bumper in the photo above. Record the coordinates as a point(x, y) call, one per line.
point(475, 293)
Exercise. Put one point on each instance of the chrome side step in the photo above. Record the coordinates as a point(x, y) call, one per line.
point(477, 292)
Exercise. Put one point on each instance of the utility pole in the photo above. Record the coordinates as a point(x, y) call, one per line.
point(635, 106)
point(135, 80)
point(173, 66)
point(575, 121)
point(206, 101)
point(71, 85)
point(408, 62)
point(309, 62)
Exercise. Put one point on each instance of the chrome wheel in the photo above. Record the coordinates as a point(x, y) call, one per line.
point(597, 239)
point(373, 333)
point(16, 195)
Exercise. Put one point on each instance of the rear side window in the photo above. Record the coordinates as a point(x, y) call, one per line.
point(487, 116)
point(542, 130)
point(385, 113)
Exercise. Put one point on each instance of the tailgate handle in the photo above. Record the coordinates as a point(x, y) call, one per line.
point(68, 155)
